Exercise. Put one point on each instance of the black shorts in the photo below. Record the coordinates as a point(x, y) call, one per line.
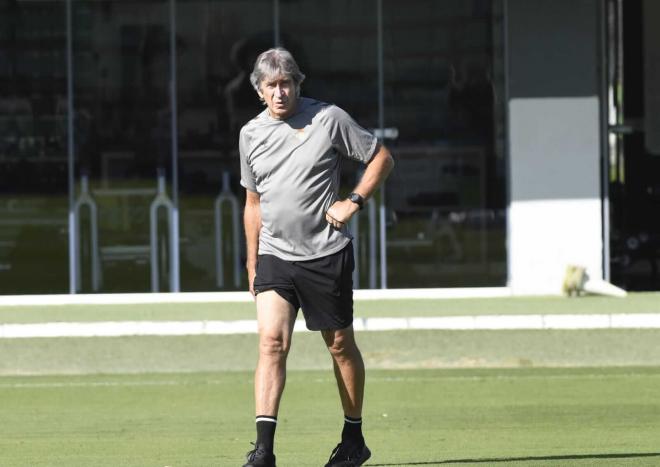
point(322, 287)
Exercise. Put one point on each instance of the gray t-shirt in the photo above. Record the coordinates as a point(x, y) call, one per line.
point(293, 165)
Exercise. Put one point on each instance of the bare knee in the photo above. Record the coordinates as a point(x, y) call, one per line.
point(341, 345)
point(274, 347)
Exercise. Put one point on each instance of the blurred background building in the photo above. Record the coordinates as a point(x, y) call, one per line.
point(526, 135)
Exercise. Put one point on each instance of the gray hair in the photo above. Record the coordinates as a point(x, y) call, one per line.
point(274, 62)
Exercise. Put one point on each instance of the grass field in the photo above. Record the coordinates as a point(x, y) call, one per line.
point(416, 417)
point(521, 398)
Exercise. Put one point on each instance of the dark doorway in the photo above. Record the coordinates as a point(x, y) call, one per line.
point(634, 153)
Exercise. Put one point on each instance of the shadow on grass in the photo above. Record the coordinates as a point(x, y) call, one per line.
point(526, 459)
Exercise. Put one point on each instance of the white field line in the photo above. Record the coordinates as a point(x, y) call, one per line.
point(196, 328)
point(216, 297)
point(374, 378)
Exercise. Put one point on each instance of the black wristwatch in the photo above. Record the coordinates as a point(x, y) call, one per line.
point(357, 199)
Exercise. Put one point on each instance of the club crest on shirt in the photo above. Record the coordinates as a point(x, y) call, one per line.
point(300, 134)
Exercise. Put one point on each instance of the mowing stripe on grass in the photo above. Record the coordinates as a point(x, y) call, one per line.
point(195, 328)
point(328, 380)
point(221, 297)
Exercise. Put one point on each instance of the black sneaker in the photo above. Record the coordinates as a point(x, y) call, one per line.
point(345, 455)
point(260, 457)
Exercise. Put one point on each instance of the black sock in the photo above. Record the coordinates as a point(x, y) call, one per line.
point(352, 432)
point(266, 425)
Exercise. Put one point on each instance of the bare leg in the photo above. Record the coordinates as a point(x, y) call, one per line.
point(349, 369)
point(276, 318)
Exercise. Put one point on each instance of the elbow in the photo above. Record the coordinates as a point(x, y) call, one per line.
point(388, 163)
point(384, 157)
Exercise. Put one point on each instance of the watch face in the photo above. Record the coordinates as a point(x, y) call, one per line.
point(357, 199)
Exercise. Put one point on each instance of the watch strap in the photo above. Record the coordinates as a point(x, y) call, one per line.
point(357, 199)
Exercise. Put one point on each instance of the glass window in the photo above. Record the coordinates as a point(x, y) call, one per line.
point(334, 44)
point(33, 151)
point(219, 44)
point(443, 110)
point(123, 144)
point(443, 99)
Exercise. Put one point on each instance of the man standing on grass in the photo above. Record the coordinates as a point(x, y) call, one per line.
point(299, 251)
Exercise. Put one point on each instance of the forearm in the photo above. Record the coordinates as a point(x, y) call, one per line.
point(377, 170)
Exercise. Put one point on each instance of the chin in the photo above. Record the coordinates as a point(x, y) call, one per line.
point(282, 113)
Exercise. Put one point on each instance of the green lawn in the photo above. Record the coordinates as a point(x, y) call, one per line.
point(383, 350)
point(519, 398)
point(634, 303)
point(558, 417)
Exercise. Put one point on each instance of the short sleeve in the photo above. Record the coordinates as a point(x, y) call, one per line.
point(247, 176)
point(349, 138)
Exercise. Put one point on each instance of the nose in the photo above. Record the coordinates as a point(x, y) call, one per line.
point(279, 90)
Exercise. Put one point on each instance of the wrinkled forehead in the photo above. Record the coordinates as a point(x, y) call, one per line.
point(275, 77)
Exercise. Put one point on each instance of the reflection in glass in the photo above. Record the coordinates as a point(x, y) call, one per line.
point(33, 162)
point(443, 77)
point(220, 42)
point(123, 143)
point(445, 198)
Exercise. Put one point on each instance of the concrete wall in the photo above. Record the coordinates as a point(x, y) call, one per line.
point(555, 211)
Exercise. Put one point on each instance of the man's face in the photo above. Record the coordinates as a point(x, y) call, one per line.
point(279, 92)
